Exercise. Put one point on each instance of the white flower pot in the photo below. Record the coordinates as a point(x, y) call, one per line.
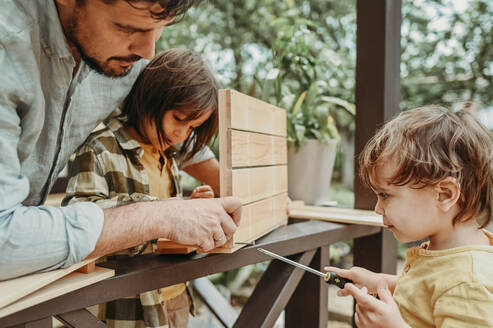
point(310, 171)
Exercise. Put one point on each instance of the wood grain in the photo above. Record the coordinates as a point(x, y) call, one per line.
point(13, 289)
point(334, 214)
point(254, 149)
point(70, 282)
point(252, 184)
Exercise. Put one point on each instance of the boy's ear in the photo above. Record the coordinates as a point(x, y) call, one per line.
point(447, 193)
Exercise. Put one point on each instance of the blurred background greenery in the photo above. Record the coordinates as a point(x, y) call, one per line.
point(447, 55)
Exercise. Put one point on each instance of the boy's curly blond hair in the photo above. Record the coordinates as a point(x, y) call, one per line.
point(431, 143)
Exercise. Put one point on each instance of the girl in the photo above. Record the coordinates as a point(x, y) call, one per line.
point(168, 118)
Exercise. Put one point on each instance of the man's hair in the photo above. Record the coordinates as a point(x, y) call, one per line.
point(168, 8)
point(175, 79)
point(431, 143)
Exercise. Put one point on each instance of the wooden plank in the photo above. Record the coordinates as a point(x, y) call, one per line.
point(254, 149)
point(165, 246)
point(224, 143)
point(333, 214)
point(251, 114)
point(13, 289)
point(71, 282)
point(252, 184)
point(257, 219)
point(261, 217)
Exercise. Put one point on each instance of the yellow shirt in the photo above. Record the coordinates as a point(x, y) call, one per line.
point(161, 186)
point(447, 288)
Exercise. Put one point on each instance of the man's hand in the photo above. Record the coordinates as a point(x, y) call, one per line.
point(204, 191)
point(371, 312)
point(206, 223)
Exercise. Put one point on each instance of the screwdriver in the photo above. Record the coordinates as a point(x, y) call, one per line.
point(329, 277)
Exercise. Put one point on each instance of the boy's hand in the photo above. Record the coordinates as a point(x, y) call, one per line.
point(360, 277)
point(204, 191)
point(371, 312)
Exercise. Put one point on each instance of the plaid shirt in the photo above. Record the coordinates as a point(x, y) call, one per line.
point(107, 170)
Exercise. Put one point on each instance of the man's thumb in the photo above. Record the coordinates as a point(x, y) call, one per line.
point(232, 206)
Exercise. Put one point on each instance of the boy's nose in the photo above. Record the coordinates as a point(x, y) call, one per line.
point(378, 208)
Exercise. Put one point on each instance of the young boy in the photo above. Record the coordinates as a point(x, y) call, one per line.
point(168, 118)
point(432, 172)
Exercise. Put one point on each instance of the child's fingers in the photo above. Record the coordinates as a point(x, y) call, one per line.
point(204, 191)
point(361, 296)
point(384, 292)
point(340, 272)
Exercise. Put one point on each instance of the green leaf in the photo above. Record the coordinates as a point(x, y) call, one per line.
point(298, 103)
point(349, 107)
point(299, 132)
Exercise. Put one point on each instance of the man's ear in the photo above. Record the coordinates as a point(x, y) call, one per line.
point(447, 193)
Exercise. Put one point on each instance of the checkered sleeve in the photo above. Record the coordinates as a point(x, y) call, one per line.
point(87, 181)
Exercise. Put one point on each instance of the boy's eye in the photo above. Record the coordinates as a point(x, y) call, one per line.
point(382, 195)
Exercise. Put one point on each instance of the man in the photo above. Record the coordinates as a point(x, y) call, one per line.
point(65, 66)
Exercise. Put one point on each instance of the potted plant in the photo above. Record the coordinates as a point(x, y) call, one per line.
point(293, 84)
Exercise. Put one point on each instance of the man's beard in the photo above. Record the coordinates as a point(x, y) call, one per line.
point(93, 63)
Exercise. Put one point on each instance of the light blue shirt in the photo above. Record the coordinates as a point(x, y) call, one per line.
point(45, 114)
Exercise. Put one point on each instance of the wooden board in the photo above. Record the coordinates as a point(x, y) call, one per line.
point(253, 164)
point(13, 289)
point(71, 282)
point(334, 214)
point(250, 114)
point(253, 184)
point(255, 149)
point(166, 246)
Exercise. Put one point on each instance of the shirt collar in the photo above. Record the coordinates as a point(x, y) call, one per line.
point(123, 137)
point(53, 38)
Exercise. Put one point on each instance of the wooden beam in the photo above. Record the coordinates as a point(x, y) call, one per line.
point(308, 307)
point(273, 292)
point(213, 299)
point(377, 77)
point(80, 319)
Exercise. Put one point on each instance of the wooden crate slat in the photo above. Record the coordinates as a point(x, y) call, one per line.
point(252, 184)
point(254, 149)
point(251, 114)
point(261, 217)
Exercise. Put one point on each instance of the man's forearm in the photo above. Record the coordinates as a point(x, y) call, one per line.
point(130, 225)
point(206, 223)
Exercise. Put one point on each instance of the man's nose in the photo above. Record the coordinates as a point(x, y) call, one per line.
point(144, 44)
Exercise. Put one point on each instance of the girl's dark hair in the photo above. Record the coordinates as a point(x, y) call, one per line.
point(175, 79)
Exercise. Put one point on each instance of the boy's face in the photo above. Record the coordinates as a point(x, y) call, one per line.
point(176, 128)
point(410, 213)
point(111, 37)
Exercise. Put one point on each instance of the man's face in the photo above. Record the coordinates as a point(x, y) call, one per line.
point(111, 37)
